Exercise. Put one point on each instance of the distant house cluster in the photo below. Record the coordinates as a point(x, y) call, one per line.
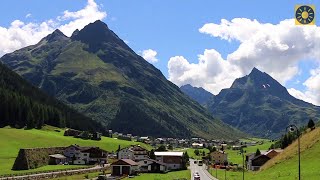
point(83, 134)
point(135, 159)
point(75, 154)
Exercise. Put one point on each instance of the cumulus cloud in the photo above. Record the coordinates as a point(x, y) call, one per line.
point(150, 55)
point(312, 88)
point(81, 18)
point(211, 72)
point(272, 48)
point(20, 34)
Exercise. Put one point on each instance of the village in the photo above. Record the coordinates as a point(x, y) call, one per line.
point(162, 156)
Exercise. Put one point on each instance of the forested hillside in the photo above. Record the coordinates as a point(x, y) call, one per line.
point(23, 105)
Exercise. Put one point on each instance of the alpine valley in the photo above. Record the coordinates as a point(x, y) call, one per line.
point(96, 73)
point(256, 104)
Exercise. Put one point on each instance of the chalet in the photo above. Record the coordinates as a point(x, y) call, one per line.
point(273, 152)
point(219, 157)
point(55, 159)
point(124, 167)
point(249, 158)
point(173, 160)
point(255, 162)
point(135, 153)
point(259, 161)
point(151, 165)
point(85, 155)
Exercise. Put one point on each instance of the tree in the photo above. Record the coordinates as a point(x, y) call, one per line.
point(30, 120)
point(213, 149)
point(203, 153)
point(170, 147)
point(185, 159)
point(258, 152)
point(161, 148)
point(311, 124)
point(197, 152)
point(272, 146)
point(152, 155)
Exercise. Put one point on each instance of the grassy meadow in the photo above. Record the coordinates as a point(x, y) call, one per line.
point(285, 165)
point(11, 140)
point(186, 174)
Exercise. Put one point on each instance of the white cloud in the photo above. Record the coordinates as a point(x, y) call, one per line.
point(211, 72)
point(312, 88)
point(81, 18)
point(273, 48)
point(150, 55)
point(28, 15)
point(20, 34)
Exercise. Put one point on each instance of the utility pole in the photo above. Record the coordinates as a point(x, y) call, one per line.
point(293, 128)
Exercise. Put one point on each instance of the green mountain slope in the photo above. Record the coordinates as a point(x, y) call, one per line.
point(259, 105)
point(95, 72)
point(22, 104)
point(256, 104)
point(197, 93)
point(285, 166)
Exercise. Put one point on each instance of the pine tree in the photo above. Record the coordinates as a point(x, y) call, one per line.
point(30, 120)
point(258, 152)
point(311, 124)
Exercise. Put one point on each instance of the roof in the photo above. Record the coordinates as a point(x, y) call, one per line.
point(153, 161)
point(125, 162)
point(168, 153)
point(80, 147)
point(221, 152)
point(58, 156)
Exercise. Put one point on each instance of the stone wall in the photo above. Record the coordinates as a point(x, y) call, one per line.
point(56, 174)
point(32, 158)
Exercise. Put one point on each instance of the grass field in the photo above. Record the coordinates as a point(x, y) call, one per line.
point(235, 157)
point(192, 155)
point(80, 176)
point(285, 165)
point(11, 140)
point(185, 174)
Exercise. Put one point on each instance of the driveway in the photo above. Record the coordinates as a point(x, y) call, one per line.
point(204, 174)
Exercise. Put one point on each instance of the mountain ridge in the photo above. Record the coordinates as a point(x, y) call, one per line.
point(95, 72)
point(259, 105)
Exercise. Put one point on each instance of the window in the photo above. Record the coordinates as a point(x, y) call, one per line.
point(145, 162)
point(85, 154)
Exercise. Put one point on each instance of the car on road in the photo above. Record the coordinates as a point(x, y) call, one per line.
point(196, 177)
point(200, 163)
point(195, 162)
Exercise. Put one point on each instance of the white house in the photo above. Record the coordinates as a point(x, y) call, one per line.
point(150, 165)
point(135, 153)
point(85, 155)
point(173, 160)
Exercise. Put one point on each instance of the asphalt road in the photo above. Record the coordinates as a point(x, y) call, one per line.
point(204, 174)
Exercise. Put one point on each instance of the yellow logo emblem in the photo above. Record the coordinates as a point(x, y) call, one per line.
point(304, 15)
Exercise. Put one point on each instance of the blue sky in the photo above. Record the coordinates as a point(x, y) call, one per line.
point(171, 28)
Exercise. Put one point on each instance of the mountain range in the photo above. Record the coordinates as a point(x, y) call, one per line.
point(256, 104)
point(98, 74)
